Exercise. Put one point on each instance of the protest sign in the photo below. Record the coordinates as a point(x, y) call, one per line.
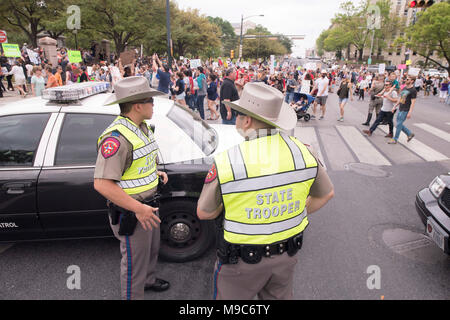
point(74, 56)
point(11, 50)
point(34, 56)
point(381, 68)
point(195, 63)
point(414, 72)
point(401, 67)
point(127, 57)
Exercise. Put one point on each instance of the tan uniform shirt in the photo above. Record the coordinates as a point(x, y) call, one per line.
point(113, 167)
point(211, 198)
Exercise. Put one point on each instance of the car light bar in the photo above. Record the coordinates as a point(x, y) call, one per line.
point(74, 92)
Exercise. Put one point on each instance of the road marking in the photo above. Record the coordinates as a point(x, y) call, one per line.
point(437, 132)
point(421, 149)
point(308, 135)
point(363, 149)
point(337, 152)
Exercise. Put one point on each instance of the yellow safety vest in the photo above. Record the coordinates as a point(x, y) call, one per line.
point(264, 184)
point(141, 176)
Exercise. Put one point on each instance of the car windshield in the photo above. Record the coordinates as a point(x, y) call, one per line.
point(199, 131)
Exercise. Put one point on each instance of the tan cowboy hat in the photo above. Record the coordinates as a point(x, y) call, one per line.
point(132, 89)
point(265, 103)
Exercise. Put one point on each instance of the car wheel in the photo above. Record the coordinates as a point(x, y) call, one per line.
point(183, 236)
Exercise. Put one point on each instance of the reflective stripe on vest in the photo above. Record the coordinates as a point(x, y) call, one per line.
point(264, 196)
point(141, 176)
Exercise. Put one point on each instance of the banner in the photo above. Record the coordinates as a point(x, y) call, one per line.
point(195, 63)
point(11, 50)
point(74, 56)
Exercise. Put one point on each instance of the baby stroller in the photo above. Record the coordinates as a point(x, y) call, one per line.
point(301, 105)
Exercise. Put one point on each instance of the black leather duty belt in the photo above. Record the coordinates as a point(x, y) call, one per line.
point(253, 254)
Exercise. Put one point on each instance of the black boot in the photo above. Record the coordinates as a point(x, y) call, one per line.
point(369, 117)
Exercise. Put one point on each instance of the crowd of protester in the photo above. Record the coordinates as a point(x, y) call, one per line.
point(200, 88)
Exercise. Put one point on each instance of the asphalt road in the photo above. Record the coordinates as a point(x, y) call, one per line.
point(371, 221)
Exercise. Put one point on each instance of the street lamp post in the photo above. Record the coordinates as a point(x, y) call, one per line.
point(240, 38)
point(169, 40)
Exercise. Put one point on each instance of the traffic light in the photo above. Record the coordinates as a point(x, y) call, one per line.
point(232, 54)
point(412, 4)
point(423, 3)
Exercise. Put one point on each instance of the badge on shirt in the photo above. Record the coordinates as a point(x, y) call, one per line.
point(212, 174)
point(109, 147)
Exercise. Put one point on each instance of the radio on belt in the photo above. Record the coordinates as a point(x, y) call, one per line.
point(74, 92)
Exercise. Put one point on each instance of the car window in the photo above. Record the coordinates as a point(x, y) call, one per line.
point(199, 131)
point(77, 143)
point(19, 138)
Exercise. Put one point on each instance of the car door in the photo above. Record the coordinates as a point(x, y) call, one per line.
point(22, 142)
point(68, 204)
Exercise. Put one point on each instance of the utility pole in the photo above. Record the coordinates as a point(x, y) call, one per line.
point(169, 37)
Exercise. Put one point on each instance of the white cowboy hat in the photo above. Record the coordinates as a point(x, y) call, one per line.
point(265, 103)
point(132, 89)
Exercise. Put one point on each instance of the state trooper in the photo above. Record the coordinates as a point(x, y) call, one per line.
point(265, 187)
point(126, 175)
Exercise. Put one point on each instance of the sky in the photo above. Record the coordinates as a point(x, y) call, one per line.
point(290, 17)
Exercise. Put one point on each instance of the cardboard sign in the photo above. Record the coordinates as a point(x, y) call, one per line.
point(414, 72)
point(408, 62)
point(401, 67)
point(74, 56)
point(195, 63)
point(11, 50)
point(381, 68)
point(127, 57)
point(34, 56)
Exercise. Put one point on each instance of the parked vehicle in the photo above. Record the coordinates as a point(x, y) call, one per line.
point(48, 150)
point(433, 207)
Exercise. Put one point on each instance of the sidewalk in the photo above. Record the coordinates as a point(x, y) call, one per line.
point(11, 96)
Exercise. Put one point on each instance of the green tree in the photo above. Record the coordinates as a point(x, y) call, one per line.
point(262, 47)
point(27, 16)
point(123, 22)
point(430, 34)
point(228, 38)
point(194, 34)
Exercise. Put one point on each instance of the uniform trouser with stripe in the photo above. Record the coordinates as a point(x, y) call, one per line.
point(139, 258)
point(270, 279)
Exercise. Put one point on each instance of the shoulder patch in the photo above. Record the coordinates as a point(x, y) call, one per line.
point(109, 147)
point(115, 133)
point(212, 174)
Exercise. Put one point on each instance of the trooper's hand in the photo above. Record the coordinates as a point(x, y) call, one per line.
point(147, 217)
point(164, 176)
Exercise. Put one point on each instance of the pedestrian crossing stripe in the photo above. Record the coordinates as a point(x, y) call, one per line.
point(308, 135)
point(437, 132)
point(363, 149)
point(419, 148)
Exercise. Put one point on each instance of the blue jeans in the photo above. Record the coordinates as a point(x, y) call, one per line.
point(401, 117)
point(200, 105)
point(231, 121)
point(289, 97)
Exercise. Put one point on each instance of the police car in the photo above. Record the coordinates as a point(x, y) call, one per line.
point(433, 207)
point(48, 150)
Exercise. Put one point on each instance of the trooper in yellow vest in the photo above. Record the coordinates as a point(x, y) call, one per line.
point(126, 175)
point(265, 187)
